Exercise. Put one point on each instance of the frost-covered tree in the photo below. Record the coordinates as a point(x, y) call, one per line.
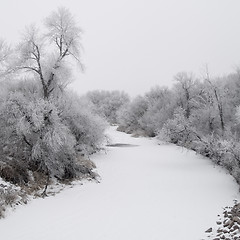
point(107, 103)
point(34, 131)
point(86, 126)
point(45, 54)
point(43, 127)
point(5, 55)
point(179, 129)
point(129, 115)
point(204, 114)
point(161, 104)
point(219, 91)
point(187, 91)
point(46, 136)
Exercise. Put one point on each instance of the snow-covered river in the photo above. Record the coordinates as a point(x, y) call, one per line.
point(147, 192)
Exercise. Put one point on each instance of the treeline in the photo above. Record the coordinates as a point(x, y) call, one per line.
point(199, 114)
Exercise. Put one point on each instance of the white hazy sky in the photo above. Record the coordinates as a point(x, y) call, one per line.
point(133, 45)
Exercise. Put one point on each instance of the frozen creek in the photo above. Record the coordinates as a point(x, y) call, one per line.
point(147, 192)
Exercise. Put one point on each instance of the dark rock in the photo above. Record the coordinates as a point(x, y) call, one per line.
point(237, 205)
point(228, 223)
point(235, 227)
point(231, 224)
point(236, 219)
point(209, 230)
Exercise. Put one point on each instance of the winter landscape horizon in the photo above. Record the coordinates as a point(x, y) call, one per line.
point(120, 120)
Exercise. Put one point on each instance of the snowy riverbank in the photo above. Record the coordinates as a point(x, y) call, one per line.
point(147, 191)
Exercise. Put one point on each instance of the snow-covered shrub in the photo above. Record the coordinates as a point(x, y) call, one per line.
point(179, 130)
point(85, 125)
point(129, 115)
point(40, 138)
point(223, 152)
point(214, 148)
point(10, 196)
point(147, 114)
point(14, 171)
point(107, 103)
point(46, 136)
point(236, 174)
point(160, 107)
point(231, 159)
point(153, 120)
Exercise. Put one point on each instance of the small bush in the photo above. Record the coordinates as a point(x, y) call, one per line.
point(14, 171)
point(10, 196)
point(86, 167)
point(223, 152)
point(2, 211)
point(107, 103)
point(179, 131)
point(129, 116)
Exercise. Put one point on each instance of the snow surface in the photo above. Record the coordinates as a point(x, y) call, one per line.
point(146, 192)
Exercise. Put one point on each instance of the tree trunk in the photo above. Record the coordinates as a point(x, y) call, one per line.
point(220, 109)
point(44, 194)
